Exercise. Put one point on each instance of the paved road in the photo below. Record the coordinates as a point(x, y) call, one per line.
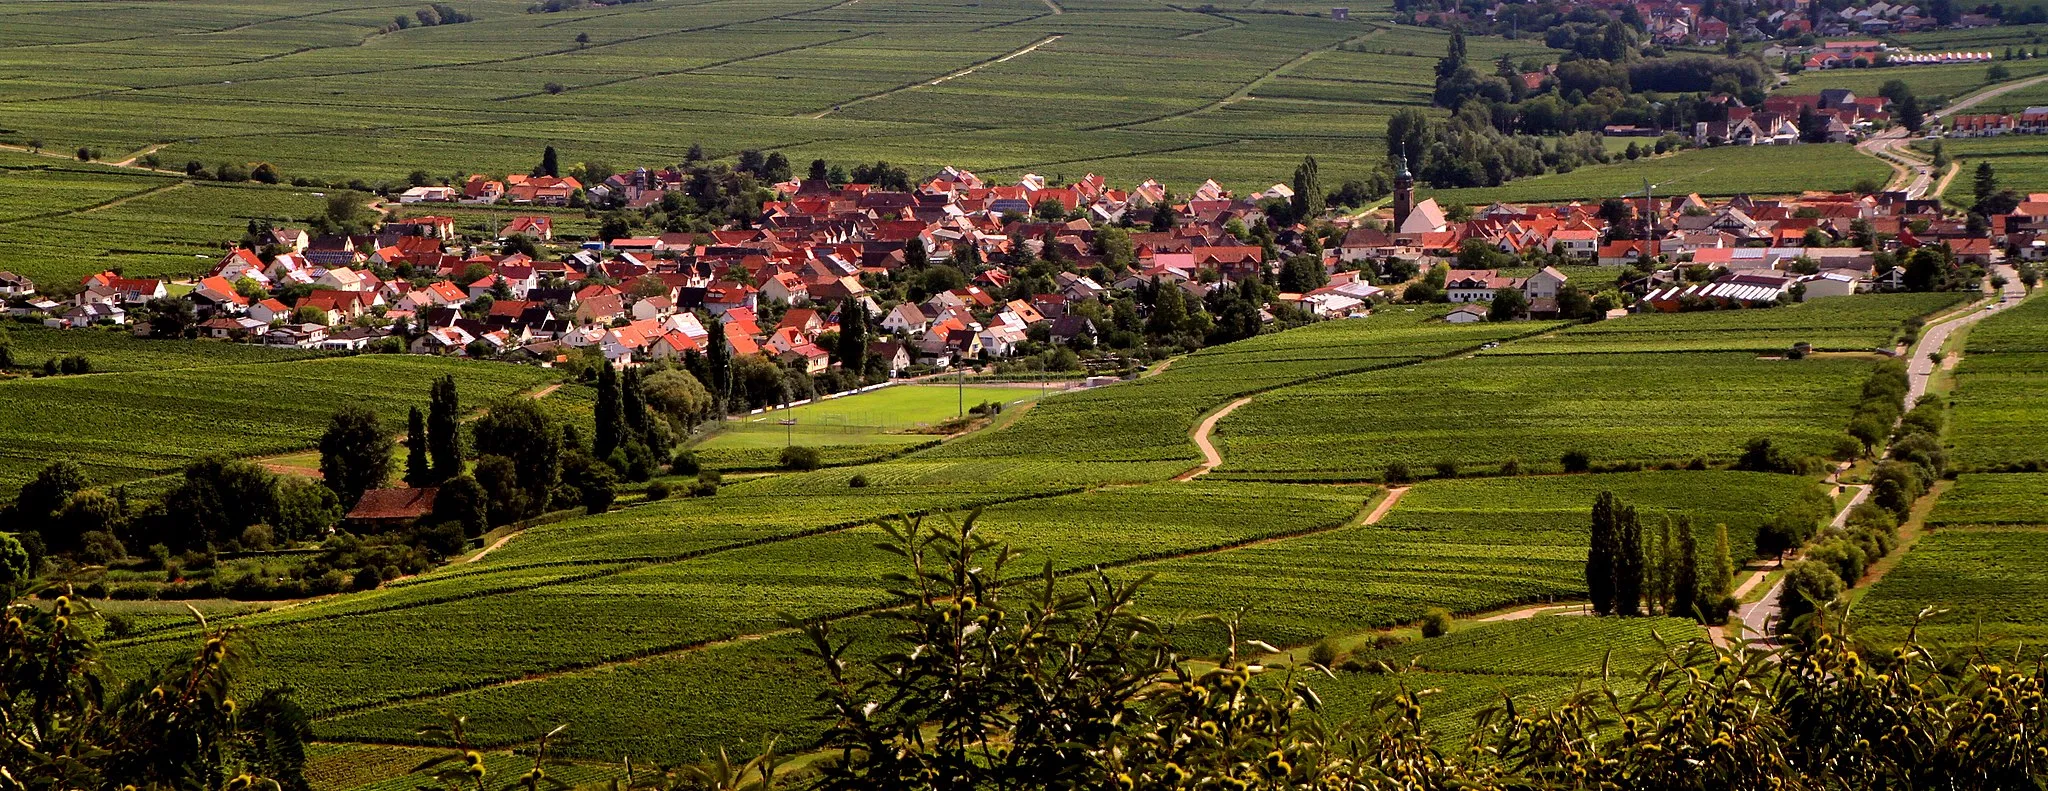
point(1891, 145)
point(1758, 615)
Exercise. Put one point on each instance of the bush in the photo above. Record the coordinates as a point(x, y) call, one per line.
point(658, 490)
point(368, 578)
point(858, 481)
point(1446, 468)
point(685, 463)
point(800, 458)
point(1397, 473)
point(1324, 652)
point(1511, 467)
point(1436, 622)
point(1576, 461)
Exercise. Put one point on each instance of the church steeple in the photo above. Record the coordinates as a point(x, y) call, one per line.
point(1404, 193)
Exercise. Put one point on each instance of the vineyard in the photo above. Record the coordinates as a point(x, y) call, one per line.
point(1870, 322)
point(1989, 585)
point(852, 430)
point(1999, 416)
point(1467, 546)
point(659, 629)
point(121, 426)
point(1981, 499)
point(1485, 412)
point(1149, 420)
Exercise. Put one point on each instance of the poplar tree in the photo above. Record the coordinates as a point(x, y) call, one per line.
point(610, 412)
point(1685, 582)
point(1600, 554)
point(444, 429)
point(718, 358)
point(1628, 562)
point(853, 336)
point(1721, 579)
point(915, 256)
point(418, 471)
point(1658, 559)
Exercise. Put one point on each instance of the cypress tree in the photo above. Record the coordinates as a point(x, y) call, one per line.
point(444, 430)
point(550, 164)
point(915, 257)
point(853, 336)
point(1600, 555)
point(418, 471)
point(610, 409)
point(1628, 562)
point(718, 357)
point(1685, 582)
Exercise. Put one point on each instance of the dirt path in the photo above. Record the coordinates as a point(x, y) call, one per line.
point(129, 162)
point(1212, 458)
point(954, 75)
point(494, 545)
point(546, 391)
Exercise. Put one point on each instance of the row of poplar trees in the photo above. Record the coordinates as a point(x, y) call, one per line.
point(1631, 572)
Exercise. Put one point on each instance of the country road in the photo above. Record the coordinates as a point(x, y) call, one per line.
point(1757, 616)
point(1891, 145)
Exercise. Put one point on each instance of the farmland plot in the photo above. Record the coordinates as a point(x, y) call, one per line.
point(1999, 416)
point(1990, 583)
point(1466, 546)
point(1988, 499)
point(1483, 412)
point(120, 426)
point(1866, 322)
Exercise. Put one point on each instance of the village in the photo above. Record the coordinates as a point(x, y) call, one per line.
point(1025, 267)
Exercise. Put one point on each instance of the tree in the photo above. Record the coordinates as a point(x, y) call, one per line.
point(550, 164)
point(216, 500)
point(1169, 309)
point(1628, 563)
point(818, 171)
point(1601, 553)
point(355, 453)
point(14, 567)
point(1720, 581)
point(444, 429)
point(519, 431)
point(39, 500)
point(463, 501)
point(1508, 303)
point(72, 724)
point(418, 470)
point(915, 256)
point(679, 396)
point(1308, 191)
point(718, 358)
point(853, 335)
point(171, 317)
point(1302, 274)
point(611, 421)
point(1984, 185)
point(1686, 596)
point(505, 501)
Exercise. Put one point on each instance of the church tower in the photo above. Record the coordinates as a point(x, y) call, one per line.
point(1404, 194)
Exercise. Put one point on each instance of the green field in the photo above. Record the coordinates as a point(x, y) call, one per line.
point(282, 81)
point(1988, 582)
point(1934, 85)
point(853, 429)
point(2020, 161)
point(1730, 170)
point(1867, 322)
point(1483, 412)
point(1999, 416)
point(1983, 499)
point(139, 423)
